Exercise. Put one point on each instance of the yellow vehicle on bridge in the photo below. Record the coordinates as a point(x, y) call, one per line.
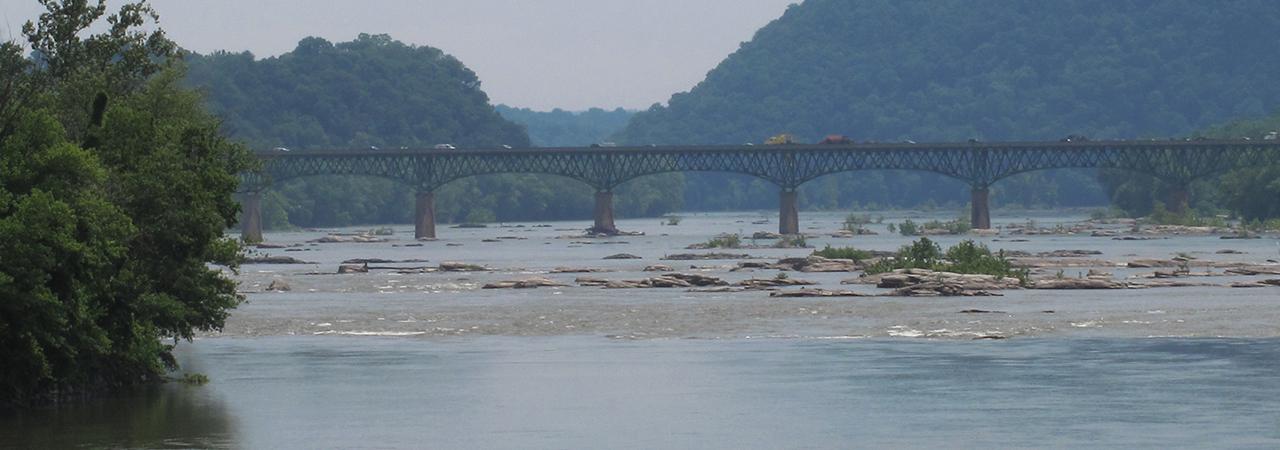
point(781, 139)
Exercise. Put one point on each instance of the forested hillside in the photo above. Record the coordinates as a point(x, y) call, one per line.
point(560, 128)
point(875, 70)
point(946, 70)
point(375, 91)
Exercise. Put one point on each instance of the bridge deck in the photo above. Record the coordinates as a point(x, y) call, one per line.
point(1048, 145)
point(1177, 162)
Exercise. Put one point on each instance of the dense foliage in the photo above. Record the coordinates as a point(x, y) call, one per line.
point(965, 257)
point(372, 91)
point(378, 92)
point(115, 193)
point(1252, 193)
point(843, 253)
point(909, 227)
point(951, 70)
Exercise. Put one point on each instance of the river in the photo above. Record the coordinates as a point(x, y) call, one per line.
point(430, 360)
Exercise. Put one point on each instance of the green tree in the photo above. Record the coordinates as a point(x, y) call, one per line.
point(61, 241)
point(116, 192)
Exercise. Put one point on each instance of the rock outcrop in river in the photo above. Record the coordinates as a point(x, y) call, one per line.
point(527, 283)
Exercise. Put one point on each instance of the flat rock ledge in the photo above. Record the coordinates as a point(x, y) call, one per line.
point(454, 266)
point(804, 264)
point(339, 238)
point(269, 259)
point(921, 282)
point(527, 283)
point(904, 278)
point(577, 270)
point(817, 293)
point(1183, 262)
point(769, 283)
point(817, 264)
point(705, 256)
point(671, 280)
point(381, 261)
point(942, 289)
point(1256, 284)
point(622, 256)
point(1100, 283)
point(1254, 270)
point(1078, 283)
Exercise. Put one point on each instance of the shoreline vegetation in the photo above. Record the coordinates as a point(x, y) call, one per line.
point(117, 188)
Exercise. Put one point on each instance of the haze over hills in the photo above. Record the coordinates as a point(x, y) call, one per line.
point(560, 128)
point(952, 70)
point(873, 70)
point(378, 92)
point(988, 69)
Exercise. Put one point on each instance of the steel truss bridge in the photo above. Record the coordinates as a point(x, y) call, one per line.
point(980, 164)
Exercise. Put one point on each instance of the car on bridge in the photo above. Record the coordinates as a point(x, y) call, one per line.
point(445, 147)
point(836, 139)
point(781, 139)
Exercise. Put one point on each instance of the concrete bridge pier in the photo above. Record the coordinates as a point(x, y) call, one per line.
point(980, 212)
point(251, 218)
point(604, 214)
point(424, 215)
point(788, 212)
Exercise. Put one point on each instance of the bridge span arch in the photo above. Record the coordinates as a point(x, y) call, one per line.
point(787, 166)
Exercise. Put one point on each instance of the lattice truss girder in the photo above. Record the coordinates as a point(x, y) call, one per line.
point(787, 166)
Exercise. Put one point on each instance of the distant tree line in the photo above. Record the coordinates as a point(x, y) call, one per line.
point(560, 128)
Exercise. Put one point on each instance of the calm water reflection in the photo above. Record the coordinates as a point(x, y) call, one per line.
point(574, 392)
point(534, 370)
point(171, 416)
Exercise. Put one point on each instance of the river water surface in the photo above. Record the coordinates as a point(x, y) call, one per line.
point(430, 360)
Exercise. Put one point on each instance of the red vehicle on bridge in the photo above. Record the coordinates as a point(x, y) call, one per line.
point(836, 139)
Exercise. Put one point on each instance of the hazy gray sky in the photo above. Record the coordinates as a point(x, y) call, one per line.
point(540, 54)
